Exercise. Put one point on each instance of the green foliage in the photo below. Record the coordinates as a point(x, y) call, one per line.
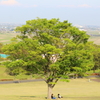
point(1, 45)
point(50, 48)
point(96, 54)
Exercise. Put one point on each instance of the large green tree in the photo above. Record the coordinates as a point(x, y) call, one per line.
point(51, 49)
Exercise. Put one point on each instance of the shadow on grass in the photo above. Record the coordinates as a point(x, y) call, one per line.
point(28, 96)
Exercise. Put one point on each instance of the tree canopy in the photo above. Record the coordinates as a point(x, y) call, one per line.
point(51, 49)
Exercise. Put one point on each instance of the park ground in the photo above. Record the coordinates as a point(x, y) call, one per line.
point(76, 89)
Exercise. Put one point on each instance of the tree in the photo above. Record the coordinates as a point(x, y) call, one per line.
point(1, 45)
point(51, 49)
point(96, 54)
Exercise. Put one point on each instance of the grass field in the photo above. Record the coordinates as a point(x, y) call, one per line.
point(5, 38)
point(96, 40)
point(76, 89)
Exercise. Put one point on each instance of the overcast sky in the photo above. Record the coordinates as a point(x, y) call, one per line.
point(81, 12)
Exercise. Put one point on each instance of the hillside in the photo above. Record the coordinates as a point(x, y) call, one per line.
point(6, 37)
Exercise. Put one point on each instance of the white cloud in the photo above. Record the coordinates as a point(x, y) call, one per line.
point(70, 6)
point(30, 6)
point(34, 5)
point(84, 5)
point(75, 6)
point(9, 2)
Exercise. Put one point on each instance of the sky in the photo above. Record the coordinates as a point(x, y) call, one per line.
point(77, 12)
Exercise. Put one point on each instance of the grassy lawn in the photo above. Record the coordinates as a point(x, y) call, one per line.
point(96, 40)
point(76, 89)
point(5, 38)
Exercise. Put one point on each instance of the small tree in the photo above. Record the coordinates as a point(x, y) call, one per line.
point(1, 45)
point(51, 49)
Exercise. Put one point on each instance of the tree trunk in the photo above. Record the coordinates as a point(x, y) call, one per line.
point(49, 91)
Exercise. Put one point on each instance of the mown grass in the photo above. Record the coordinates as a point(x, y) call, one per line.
point(76, 89)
